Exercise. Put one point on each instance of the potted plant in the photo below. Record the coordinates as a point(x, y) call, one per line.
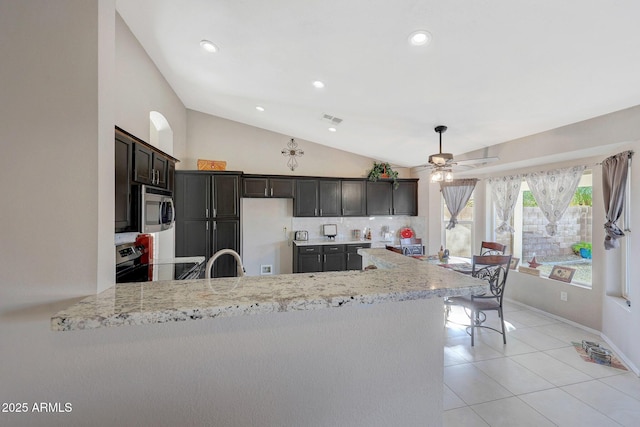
point(383, 170)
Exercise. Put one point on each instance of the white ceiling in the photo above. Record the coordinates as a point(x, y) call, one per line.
point(495, 70)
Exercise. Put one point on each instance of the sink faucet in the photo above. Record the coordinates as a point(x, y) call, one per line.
point(209, 268)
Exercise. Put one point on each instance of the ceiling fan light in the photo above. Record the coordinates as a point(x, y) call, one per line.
point(437, 176)
point(448, 176)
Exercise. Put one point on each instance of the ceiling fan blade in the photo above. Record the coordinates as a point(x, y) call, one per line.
point(478, 161)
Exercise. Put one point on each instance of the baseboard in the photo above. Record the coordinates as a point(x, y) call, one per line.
point(621, 355)
point(616, 350)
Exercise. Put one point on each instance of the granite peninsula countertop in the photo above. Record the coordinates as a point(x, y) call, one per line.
point(397, 278)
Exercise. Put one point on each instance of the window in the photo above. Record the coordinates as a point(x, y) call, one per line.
point(571, 247)
point(459, 240)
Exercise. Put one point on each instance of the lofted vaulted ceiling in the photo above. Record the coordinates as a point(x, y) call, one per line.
point(494, 70)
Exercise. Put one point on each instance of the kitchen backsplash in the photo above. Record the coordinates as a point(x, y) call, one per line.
point(382, 228)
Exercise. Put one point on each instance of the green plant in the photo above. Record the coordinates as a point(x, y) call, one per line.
point(383, 170)
point(582, 197)
point(582, 245)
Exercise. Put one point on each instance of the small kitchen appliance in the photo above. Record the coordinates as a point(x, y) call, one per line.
point(330, 230)
point(301, 235)
point(156, 210)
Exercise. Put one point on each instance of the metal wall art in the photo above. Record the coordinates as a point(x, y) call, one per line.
point(292, 151)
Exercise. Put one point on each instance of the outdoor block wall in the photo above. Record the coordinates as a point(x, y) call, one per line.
point(574, 227)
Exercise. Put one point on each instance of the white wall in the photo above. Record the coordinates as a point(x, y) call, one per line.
point(141, 89)
point(254, 150)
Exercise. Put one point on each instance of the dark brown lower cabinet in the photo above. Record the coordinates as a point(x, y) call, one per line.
point(339, 257)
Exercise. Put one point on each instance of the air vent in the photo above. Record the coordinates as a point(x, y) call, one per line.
point(331, 119)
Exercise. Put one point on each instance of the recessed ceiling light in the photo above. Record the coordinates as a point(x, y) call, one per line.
point(420, 38)
point(208, 46)
point(259, 108)
point(318, 84)
point(332, 129)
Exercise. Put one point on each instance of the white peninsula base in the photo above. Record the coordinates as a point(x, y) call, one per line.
point(378, 365)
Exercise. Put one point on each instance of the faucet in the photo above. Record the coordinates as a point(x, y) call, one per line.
point(209, 268)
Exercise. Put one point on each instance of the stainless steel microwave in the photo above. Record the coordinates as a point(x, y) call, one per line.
point(157, 212)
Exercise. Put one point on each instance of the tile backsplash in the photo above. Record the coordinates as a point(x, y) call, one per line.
point(382, 228)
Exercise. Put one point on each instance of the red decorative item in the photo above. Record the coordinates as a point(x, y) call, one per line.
point(533, 263)
point(406, 233)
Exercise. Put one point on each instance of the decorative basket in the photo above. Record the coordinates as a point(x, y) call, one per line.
point(211, 165)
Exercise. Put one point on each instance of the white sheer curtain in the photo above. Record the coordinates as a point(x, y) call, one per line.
point(504, 192)
point(553, 191)
point(456, 195)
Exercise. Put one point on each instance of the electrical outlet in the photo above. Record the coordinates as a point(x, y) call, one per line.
point(563, 296)
point(266, 269)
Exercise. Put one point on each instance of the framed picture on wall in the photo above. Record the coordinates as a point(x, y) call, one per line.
point(514, 263)
point(563, 274)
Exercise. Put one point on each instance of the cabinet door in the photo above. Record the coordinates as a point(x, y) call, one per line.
point(281, 187)
point(334, 262)
point(160, 170)
point(405, 199)
point(171, 176)
point(226, 200)
point(309, 263)
point(329, 196)
point(354, 198)
point(123, 161)
point(226, 235)
point(193, 238)
point(192, 196)
point(307, 259)
point(354, 261)
point(379, 198)
point(142, 165)
point(255, 187)
point(306, 200)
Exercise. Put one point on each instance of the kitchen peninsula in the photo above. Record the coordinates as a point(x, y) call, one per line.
point(378, 360)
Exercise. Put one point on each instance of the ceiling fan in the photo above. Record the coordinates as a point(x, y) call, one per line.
point(443, 163)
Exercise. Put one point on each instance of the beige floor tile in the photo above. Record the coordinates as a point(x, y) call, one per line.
point(627, 383)
point(513, 376)
point(510, 412)
point(615, 404)
point(565, 410)
point(451, 400)
point(462, 417)
point(556, 372)
point(472, 385)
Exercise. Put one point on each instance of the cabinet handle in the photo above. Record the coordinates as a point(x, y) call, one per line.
point(325, 258)
point(206, 212)
point(207, 226)
point(215, 225)
point(342, 211)
point(271, 191)
point(320, 212)
point(348, 257)
point(265, 191)
point(215, 213)
point(318, 257)
point(315, 211)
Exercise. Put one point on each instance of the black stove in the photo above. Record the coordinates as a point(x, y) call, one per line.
point(130, 268)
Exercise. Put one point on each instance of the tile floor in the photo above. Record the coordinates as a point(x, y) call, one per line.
point(536, 379)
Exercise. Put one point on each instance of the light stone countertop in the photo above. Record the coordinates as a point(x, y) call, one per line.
point(397, 278)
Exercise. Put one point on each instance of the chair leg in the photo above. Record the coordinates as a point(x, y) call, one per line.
point(504, 333)
point(473, 325)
